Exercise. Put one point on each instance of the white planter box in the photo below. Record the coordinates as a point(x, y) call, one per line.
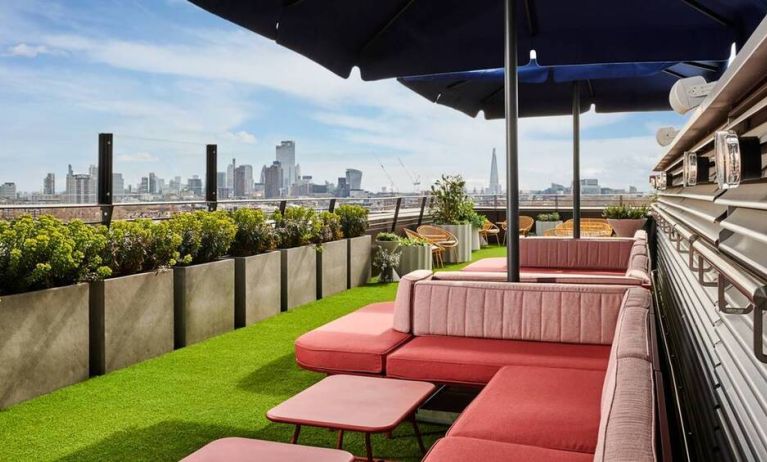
point(257, 284)
point(476, 242)
point(360, 253)
point(413, 258)
point(461, 253)
point(542, 226)
point(626, 227)
point(332, 269)
point(299, 276)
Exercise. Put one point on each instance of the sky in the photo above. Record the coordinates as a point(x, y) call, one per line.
point(167, 78)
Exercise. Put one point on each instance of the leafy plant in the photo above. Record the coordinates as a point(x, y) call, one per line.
point(387, 237)
point(450, 205)
point(553, 216)
point(623, 212)
point(205, 236)
point(475, 219)
point(412, 242)
point(330, 227)
point(139, 246)
point(40, 253)
point(254, 233)
point(354, 219)
point(386, 261)
point(296, 227)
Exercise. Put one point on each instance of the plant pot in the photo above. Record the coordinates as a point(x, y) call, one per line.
point(43, 342)
point(462, 252)
point(203, 301)
point(542, 226)
point(257, 288)
point(360, 260)
point(626, 227)
point(414, 257)
point(299, 276)
point(476, 242)
point(389, 246)
point(332, 269)
point(131, 320)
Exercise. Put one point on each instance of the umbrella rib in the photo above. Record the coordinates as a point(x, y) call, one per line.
point(590, 88)
point(532, 20)
point(699, 65)
point(676, 74)
point(708, 12)
point(385, 27)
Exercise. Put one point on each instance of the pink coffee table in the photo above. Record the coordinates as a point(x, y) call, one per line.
point(355, 403)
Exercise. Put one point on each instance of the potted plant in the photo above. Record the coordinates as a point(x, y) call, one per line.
point(386, 262)
point(257, 278)
point(546, 221)
point(332, 256)
point(387, 241)
point(448, 209)
point(625, 219)
point(131, 313)
point(44, 303)
point(415, 254)
point(298, 230)
point(354, 225)
point(476, 221)
point(203, 282)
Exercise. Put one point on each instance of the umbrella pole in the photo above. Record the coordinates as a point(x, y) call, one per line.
point(512, 144)
point(576, 161)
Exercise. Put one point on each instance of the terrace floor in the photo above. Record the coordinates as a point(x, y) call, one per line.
point(167, 407)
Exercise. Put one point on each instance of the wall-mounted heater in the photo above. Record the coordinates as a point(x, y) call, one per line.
point(737, 158)
point(695, 169)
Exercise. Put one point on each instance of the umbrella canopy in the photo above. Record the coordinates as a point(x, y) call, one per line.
point(547, 91)
point(391, 38)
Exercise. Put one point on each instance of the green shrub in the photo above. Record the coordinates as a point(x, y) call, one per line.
point(297, 226)
point(475, 219)
point(330, 227)
point(621, 212)
point(254, 234)
point(40, 253)
point(412, 242)
point(450, 205)
point(387, 237)
point(139, 246)
point(553, 216)
point(354, 219)
point(205, 236)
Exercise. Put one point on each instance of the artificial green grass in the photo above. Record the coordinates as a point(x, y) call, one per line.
point(167, 407)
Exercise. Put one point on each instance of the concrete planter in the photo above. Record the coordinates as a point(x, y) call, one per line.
point(414, 257)
point(299, 276)
point(476, 242)
point(389, 246)
point(43, 342)
point(257, 287)
point(626, 227)
point(360, 260)
point(203, 301)
point(332, 268)
point(542, 226)
point(461, 253)
point(131, 320)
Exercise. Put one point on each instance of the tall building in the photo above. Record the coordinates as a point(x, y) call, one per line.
point(194, 185)
point(342, 189)
point(49, 184)
point(118, 186)
point(243, 181)
point(230, 175)
point(273, 180)
point(153, 186)
point(143, 187)
point(93, 174)
point(222, 190)
point(8, 191)
point(495, 185)
point(353, 178)
point(590, 186)
point(81, 187)
point(286, 156)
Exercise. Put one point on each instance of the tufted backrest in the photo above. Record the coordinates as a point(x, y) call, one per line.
point(404, 299)
point(639, 263)
point(609, 254)
point(517, 311)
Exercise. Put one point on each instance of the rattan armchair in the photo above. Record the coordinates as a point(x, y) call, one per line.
point(437, 251)
point(588, 229)
point(438, 236)
point(525, 225)
point(490, 229)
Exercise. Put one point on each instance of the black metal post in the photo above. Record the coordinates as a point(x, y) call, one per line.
point(396, 215)
point(576, 161)
point(332, 205)
point(104, 185)
point(423, 207)
point(512, 144)
point(283, 206)
point(211, 176)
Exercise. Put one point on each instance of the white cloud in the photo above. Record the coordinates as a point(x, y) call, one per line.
point(27, 51)
point(241, 136)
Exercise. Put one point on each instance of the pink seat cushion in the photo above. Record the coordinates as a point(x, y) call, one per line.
point(247, 450)
point(538, 406)
point(459, 449)
point(474, 361)
point(498, 264)
point(357, 342)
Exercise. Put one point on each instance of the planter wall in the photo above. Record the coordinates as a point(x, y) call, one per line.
point(257, 287)
point(43, 342)
point(203, 301)
point(360, 260)
point(131, 320)
point(299, 276)
point(332, 268)
point(542, 226)
point(626, 227)
point(461, 253)
point(476, 242)
point(413, 258)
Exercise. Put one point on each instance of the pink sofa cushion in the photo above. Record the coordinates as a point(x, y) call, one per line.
point(248, 450)
point(501, 310)
point(611, 254)
point(474, 361)
point(538, 406)
point(460, 449)
point(404, 299)
point(357, 342)
point(632, 332)
point(498, 265)
point(541, 276)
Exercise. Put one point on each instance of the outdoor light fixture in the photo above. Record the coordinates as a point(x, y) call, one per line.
point(687, 94)
point(665, 135)
point(695, 168)
point(658, 180)
point(737, 159)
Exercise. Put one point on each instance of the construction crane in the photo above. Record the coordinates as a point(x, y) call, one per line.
point(391, 181)
point(415, 180)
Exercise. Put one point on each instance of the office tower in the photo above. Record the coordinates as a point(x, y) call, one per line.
point(286, 156)
point(194, 185)
point(353, 178)
point(153, 189)
point(118, 186)
point(230, 175)
point(273, 180)
point(49, 184)
point(342, 189)
point(495, 185)
point(243, 181)
point(81, 192)
point(8, 191)
point(93, 174)
point(590, 186)
point(144, 185)
point(221, 188)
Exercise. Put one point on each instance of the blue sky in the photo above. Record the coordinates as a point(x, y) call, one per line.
point(166, 78)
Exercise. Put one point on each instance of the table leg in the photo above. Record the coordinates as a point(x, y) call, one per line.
point(418, 435)
point(296, 432)
point(340, 441)
point(368, 447)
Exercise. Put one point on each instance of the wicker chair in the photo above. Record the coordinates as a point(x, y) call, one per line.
point(490, 229)
point(439, 237)
point(437, 251)
point(588, 229)
point(525, 225)
point(588, 220)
